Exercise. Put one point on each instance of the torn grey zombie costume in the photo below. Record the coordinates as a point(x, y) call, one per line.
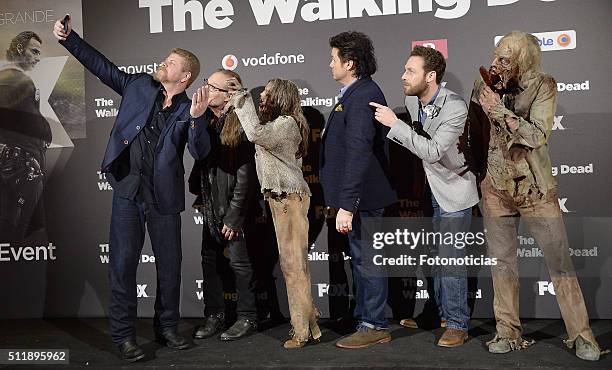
point(510, 122)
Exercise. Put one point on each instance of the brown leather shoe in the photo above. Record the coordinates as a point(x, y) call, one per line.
point(364, 337)
point(294, 343)
point(412, 324)
point(453, 338)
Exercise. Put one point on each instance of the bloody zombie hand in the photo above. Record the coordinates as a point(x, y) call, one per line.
point(488, 99)
point(486, 77)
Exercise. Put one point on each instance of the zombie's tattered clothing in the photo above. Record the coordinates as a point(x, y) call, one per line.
point(517, 181)
point(518, 161)
point(545, 223)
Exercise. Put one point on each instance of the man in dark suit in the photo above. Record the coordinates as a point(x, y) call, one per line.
point(144, 162)
point(355, 177)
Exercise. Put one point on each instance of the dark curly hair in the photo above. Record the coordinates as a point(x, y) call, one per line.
point(357, 47)
point(22, 39)
point(433, 60)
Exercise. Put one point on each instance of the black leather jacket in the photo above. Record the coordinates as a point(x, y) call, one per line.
point(231, 180)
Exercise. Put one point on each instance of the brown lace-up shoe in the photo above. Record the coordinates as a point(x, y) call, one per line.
point(453, 338)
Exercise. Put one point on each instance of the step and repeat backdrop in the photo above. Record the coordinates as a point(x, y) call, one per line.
point(59, 269)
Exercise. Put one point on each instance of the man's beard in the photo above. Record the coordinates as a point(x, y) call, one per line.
point(27, 65)
point(415, 90)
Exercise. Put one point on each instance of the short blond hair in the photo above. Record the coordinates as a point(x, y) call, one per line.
point(192, 63)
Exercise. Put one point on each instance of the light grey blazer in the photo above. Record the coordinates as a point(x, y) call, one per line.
point(446, 168)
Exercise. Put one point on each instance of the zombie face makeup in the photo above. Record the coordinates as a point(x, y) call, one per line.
point(504, 71)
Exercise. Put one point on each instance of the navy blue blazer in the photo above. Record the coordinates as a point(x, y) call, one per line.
point(354, 160)
point(138, 93)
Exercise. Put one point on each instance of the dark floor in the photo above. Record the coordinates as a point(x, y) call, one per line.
point(89, 345)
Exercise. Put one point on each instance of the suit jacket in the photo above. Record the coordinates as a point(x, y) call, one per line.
point(138, 93)
point(443, 149)
point(354, 161)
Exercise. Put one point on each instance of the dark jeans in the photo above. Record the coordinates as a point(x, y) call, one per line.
point(127, 234)
point(369, 280)
point(213, 262)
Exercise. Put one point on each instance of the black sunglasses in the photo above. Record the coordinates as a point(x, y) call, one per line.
point(213, 87)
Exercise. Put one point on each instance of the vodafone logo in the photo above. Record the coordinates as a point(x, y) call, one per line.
point(229, 62)
point(441, 45)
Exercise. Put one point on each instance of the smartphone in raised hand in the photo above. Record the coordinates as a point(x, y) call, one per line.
point(65, 22)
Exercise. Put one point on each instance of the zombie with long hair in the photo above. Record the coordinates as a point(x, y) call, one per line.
point(510, 118)
point(280, 135)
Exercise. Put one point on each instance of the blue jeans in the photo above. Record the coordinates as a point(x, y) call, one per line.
point(127, 234)
point(369, 280)
point(450, 283)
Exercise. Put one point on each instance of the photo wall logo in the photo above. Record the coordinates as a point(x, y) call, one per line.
point(105, 108)
point(20, 253)
point(229, 62)
point(141, 291)
point(198, 218)
point(564, 169)
point(574, 86)
point(557, 123)
point(105, 255)
point(103, 184)
point(220, 14)
point(333, 290)
point(441, 45)
point(553, 40)
point(564, 40)
point(545, 287)
point(563, 205)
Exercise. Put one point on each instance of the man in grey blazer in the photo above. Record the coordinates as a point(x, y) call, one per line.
point(438, 118)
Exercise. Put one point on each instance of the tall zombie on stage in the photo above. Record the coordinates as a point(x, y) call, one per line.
point(24, 137)
point(512, 109)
